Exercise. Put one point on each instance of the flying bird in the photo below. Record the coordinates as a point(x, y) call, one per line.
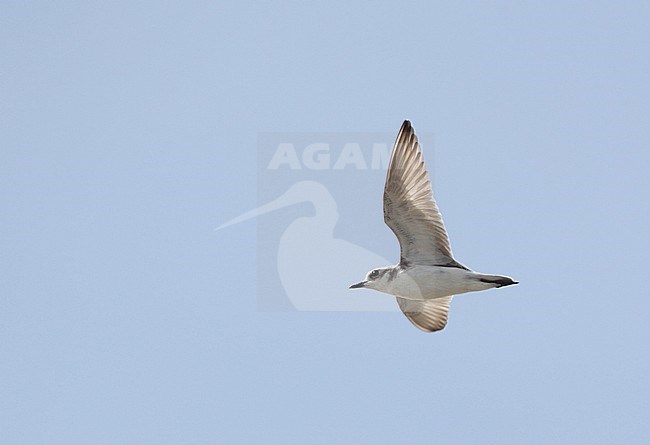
point(427, 276)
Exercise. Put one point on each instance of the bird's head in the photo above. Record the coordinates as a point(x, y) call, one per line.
point(375, 279)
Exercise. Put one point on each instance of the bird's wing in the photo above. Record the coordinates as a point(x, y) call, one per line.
point(409, 208)
point(427, 315)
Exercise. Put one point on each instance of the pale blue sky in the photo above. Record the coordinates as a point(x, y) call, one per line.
point(129, 131)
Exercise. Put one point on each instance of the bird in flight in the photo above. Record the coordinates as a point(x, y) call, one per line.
point(427, 276)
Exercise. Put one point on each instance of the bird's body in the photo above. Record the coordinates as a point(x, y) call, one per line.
point(427, 276)
point(420, 282)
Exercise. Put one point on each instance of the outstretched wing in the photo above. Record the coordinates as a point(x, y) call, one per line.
point(427, 315)
point(409, 208)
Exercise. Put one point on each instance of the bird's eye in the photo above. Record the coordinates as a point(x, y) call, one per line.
point(374, 274)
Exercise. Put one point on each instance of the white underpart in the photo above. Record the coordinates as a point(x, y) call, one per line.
point(428, 282)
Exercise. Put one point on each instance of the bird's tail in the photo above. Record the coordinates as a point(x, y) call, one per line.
point(497, 280)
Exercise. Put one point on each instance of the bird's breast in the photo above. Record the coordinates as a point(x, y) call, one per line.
point(427, 282)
